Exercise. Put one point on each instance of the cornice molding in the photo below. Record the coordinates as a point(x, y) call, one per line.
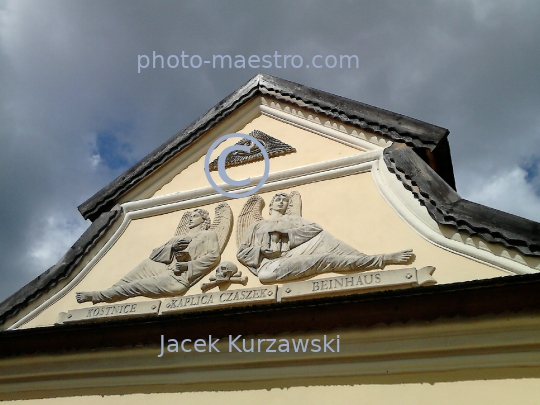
point(440, 350)
point(447, 207)
point(418, 218)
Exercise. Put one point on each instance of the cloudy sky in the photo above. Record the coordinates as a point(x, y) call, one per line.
point(75, 112)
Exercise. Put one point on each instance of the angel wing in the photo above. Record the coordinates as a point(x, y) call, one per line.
point(182, 227)
point(295, 204)
point(223, 224)
point(251, 213)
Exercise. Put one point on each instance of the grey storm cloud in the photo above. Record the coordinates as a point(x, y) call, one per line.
point(75, 113)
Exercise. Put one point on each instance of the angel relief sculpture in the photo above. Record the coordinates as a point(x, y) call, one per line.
point(288, 247)
point(173, 268)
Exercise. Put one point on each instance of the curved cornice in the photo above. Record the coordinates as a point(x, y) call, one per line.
point(447, 207)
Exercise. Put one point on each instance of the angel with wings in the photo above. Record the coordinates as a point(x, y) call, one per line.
point(177, 265)
point(288, 247)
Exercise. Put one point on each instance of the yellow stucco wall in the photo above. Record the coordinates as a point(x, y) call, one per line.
point(493, 392)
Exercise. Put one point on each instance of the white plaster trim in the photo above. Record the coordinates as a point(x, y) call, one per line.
point(417, 217)
point(319, 129)
point(194, 198)
point(286, 178)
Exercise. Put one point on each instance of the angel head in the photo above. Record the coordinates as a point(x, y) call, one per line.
point(200, 217)
point(280, 202)
point(285, 204)
point(199, 220)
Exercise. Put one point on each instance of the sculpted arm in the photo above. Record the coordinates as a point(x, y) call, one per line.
point(200, 265)
point(303, 233)
point(164, 253)
point(250, 252)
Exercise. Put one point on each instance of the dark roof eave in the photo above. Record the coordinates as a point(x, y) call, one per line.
point(466, 299)
point(106, 197)
point(398, 127)
point(61, 270)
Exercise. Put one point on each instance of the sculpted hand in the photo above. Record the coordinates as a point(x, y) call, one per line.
point(402, 257)
point(182, 244)
point(271, 254)
point(181, 267)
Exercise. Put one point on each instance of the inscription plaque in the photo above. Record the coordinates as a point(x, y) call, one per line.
point(122, 310)
point(258, 295)
point(349, 284)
